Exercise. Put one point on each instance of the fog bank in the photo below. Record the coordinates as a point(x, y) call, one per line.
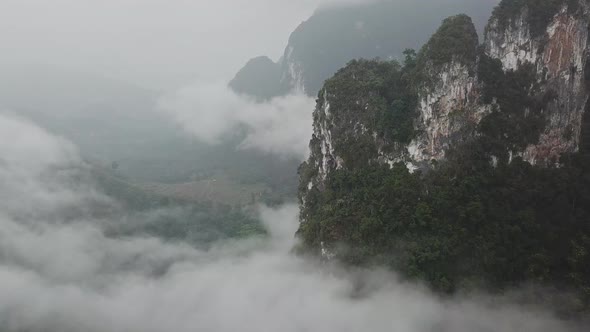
point(60, 272)
point(212, 113)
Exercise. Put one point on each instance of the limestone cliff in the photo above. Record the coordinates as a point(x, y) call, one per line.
point(463, 163)
point(453, 90)
point(437, 96)
point(559, 55)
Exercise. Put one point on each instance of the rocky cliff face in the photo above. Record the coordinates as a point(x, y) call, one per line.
point(448, 93)
point(559, 56)
point(439, 95)
point(466, 164)
point(293, 72)
point(450, 89)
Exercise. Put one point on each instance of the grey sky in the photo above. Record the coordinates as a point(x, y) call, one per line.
point(155, 43)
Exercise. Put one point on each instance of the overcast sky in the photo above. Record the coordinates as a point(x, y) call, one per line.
point(156, 43)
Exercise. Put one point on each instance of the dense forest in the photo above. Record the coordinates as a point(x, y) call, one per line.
point(482, 217)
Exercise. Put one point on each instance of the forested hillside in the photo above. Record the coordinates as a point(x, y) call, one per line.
point(467, 165)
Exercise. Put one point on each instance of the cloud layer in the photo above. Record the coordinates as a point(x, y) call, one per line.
point(60, 272)
point(212, 112)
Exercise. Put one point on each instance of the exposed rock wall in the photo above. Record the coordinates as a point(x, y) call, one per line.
point(450, 105)
point(445, 109)
point(292, 72)
point(559, 56)
point(479, 116)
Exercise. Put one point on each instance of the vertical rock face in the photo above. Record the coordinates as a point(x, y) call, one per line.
point(443, 91)
point(293, 75)
point(448, 95)
point(446, 111)
point(449, 92)
point(487, 124)
point(343, 119)
point(558, 53)
point(327, 158)
point(349, 124)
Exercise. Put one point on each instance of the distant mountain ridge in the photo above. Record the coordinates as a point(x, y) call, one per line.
point(335, 35)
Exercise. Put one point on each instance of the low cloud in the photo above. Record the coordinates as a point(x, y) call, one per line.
point(36, 171)
point(212, 112)
point(64, 274)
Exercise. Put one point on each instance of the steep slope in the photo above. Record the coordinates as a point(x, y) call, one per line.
point(552, 38)
point(465, 166)
point(407, 114)
point(335, 35)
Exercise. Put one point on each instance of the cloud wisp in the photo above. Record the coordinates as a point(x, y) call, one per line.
point(212, 112)
point(59, 271)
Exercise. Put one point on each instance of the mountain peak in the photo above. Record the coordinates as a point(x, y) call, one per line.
point(492, 154)
point(335, 35)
